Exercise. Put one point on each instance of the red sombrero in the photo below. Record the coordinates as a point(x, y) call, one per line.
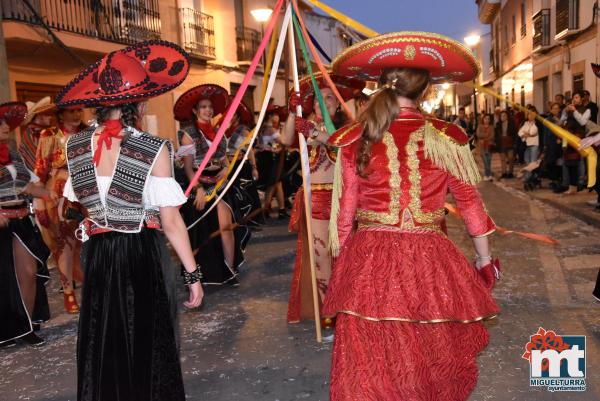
point(445, 58)
point(138, 72)
point(186, 102)
point(13, 113)
point(279, 110)
point(346, 86)
point(596, 69)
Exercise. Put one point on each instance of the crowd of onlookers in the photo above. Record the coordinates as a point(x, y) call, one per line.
point(530, 150)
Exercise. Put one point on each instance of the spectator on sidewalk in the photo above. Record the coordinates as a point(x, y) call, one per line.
point(577, 117)
point(552, 149)
point(506, 136)
point(529, 133)
point(463, 121)
point(485, 143)
point(591, 106)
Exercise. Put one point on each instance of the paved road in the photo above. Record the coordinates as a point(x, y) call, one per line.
point(238, 347)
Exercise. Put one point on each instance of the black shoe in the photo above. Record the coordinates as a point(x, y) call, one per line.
point(510, 175)
point(283, 215)
point(36, 326)
point(560, 189)
point(234, 282)
point(8, 344)
point(33, 340)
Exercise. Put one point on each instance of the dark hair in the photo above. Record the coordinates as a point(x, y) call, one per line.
point(561, 95)
point(383, 108)
point(578, 92)
point(130, 114)
point(461, 109)
point(586, 92)
point(531, 107)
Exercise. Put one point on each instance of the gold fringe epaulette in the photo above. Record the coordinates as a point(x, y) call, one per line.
point(334, 239)
point(449, 154)
point(346, 135)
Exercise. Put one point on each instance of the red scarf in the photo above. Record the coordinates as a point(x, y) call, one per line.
point(207, 130)
point(4, 154)
point(112, 129)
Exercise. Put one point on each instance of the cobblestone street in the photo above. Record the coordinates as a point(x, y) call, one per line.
point(239, 347)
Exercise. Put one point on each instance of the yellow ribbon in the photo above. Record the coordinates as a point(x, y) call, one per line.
point(572, 140)
point(268, 66)
point(344, 19)
point(213, 192)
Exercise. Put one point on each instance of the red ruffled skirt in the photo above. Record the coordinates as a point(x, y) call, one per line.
point(409, 326)
point(300, 301)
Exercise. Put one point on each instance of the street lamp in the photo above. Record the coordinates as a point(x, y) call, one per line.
point(472, 41)
point(262, 15)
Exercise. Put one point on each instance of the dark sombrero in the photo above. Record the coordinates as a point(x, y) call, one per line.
point(184, 106)
point(281, 111)
point(246, 115)
point(13, 113)
point(446, 59)
point(347, 88)
point(138, 72)
point(596, 69)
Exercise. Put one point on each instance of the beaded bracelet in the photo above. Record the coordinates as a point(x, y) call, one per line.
point(191, 278)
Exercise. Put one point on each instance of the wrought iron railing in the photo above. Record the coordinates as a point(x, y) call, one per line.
point(247, 40)
point(122, 21)
point(541, 29)
point(198, 33)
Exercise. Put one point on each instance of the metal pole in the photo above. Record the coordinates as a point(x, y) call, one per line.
point(4, 80)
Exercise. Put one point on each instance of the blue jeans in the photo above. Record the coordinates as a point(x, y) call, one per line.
point(486, 156)
point(531, 155)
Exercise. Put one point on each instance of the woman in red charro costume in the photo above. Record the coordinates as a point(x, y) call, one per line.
point(409, 304)
point(23, 271)
point(322, 160)
point(219, 256)
point(127, 347)
point(58, 229)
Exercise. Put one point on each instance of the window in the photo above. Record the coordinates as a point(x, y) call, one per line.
point(541, 29)
point(522, 95)
point(523, 19)
point(567, 16)
point(578, 82)
point(505, 40)
point(514, 30)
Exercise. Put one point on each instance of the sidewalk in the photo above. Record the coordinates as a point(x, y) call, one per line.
point(574, 205)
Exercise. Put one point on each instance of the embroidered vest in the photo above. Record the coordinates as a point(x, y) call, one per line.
point(10, 189)
point(202, 145)
point(124, 210)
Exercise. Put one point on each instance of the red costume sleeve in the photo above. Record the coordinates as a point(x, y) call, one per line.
point(471, 208)
point(44, 155)
point(349, 198)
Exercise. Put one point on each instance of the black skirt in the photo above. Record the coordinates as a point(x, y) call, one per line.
point(126, 347)
point(15, 319)
point(206, 243)
point(247, 194)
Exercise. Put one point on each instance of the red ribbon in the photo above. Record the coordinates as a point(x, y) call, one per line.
point(111, 129)
point(4, 155)
point(207, 129)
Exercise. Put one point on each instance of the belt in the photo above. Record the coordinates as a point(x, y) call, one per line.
point(424, 229)
point(93, 229)
point(14, 213)
point(322, 187)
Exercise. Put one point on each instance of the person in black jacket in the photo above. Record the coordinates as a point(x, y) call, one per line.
point(506, 139)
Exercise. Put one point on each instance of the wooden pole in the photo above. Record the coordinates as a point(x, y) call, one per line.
point(307, 192)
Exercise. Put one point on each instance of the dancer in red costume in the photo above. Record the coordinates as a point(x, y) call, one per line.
point(322, 159)
point(409, 304)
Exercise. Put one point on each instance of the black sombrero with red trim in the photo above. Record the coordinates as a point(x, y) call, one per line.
point(246, 115)
point(446, 59)
point(138, 72)
point(13, 113)
point(347, 88)
point(217, 95)
point(596, 70)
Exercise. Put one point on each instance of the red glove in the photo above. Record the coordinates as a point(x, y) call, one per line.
point(295, 101)
point(304, 126)
point(490, 273)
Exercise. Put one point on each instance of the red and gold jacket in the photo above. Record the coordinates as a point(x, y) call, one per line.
point(412, 169)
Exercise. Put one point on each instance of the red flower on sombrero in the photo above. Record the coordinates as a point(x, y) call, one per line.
point(347, 87)
point(13, 113)
point(184, 106)
point(138, 72)
point(446, 59)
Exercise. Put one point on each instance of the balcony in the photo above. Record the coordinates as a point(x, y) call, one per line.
point(541, 30)
point(567, 18)
point(247, 40)
point(488, 10)
point(198, 33)
point(125, 21)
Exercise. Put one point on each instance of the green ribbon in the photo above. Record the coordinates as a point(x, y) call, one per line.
point(326, 117)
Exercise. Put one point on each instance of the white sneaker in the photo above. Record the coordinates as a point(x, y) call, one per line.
point(328, 339)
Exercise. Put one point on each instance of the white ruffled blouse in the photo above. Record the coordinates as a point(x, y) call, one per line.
point(159, 192)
